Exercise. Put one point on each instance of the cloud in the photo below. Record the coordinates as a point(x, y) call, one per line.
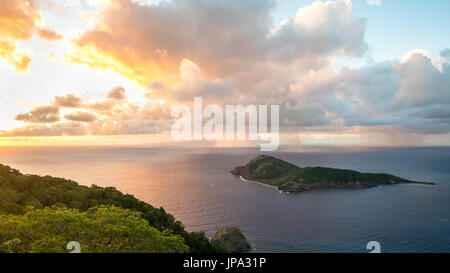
point(373, 2)
point(68, 100)
point(193, 83)
point(318, 31)
point(18, 18)
point(231, 52)
point(103, 107)
point(40, 114)
point(105, 117)
point(411, 95)
point(225, 39)
point(19, 61)
point(117, 93)
point(59, 129)
point(446, 54)
point(437, 62)
point(80, 116)
point(48, 34)
point(18, 21)
point(423, 83)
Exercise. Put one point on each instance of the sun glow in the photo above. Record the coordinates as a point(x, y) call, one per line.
point(143, 72)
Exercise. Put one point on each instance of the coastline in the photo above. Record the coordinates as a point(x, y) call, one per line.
point(260, 183)
point(331, 186)
point(313, 178)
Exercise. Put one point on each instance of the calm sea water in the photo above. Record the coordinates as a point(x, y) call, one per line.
point(196, 187)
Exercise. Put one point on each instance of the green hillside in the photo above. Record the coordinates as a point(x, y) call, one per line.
point(18, 192)
point(288, 177)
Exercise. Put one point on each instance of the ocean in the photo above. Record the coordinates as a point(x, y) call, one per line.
point(195, 185)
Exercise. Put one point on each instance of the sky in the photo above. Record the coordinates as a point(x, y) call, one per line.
point(362, 72)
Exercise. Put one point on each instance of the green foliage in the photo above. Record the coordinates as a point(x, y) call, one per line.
point(98, 230)
point(267, 167)
point(275, 171)
point(18, 191)
point(201, 244)
point(231, 239)
point(7, 247)
point(338, 176)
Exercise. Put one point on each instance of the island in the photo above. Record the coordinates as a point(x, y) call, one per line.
point(288, 177)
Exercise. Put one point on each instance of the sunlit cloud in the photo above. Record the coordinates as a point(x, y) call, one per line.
point(119, 72)
point(117, 93)
point(80, 116)
point(132, 67)
point(112, 116)
point(19, 19)
point(40, 114)
point(19, 61)
point(147, 42)
point(68, 100)
point(48, 34)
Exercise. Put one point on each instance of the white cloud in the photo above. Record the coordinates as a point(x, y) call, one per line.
point(374, 2)
point(436, 61)
point(225, 39)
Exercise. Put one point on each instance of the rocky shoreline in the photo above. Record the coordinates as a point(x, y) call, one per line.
point(293, 187)
point(231, 239)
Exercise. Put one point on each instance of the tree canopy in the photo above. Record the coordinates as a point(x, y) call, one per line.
point(101, 229)
point(19, 191)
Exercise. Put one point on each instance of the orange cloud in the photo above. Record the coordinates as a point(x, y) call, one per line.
point(8, 52)
point(227, 39)
point(47, 34)
point(80, 116)
point(18, 18)
point(112, 116)
point(18, 21)
point(126, 63)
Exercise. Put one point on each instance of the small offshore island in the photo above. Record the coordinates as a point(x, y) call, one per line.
point(287, 177)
